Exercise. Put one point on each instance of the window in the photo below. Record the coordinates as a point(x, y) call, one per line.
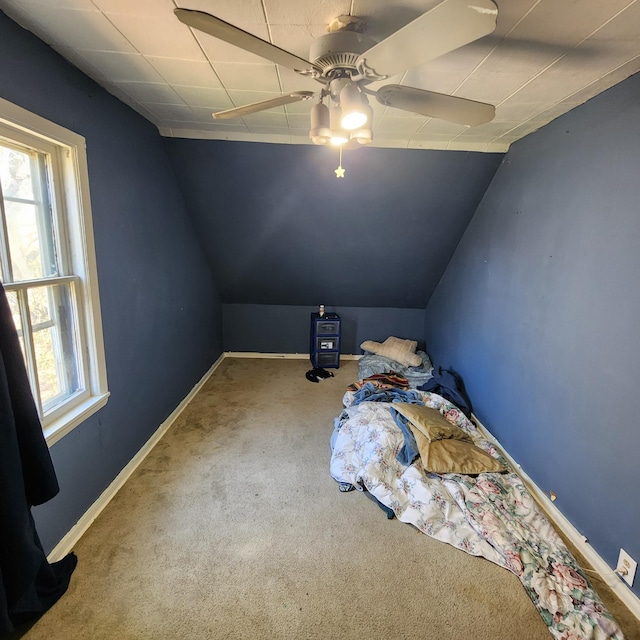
point(47, 267)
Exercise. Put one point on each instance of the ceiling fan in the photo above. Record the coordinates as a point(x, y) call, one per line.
point(346, 60)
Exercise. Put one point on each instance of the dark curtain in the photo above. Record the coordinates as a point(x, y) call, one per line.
point(29, 585)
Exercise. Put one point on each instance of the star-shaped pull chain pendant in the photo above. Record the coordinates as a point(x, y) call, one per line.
point(340, 171)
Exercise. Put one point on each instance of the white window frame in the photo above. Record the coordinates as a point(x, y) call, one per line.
point(72, 193)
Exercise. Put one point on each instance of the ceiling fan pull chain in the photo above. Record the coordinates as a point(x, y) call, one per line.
point(340, 171)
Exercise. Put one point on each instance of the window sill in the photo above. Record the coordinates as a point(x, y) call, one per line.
point(70, 420)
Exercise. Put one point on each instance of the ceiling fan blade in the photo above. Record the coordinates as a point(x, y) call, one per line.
point(236, 36)
point(238, 112)
point(449, 25)
point(436, 105)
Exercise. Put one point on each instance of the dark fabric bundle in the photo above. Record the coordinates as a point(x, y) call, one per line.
point(448, 384)
point(29, 585)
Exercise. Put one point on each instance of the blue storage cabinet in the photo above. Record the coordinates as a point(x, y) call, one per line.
point(324, 348)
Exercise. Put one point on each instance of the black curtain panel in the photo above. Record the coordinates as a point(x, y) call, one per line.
point(29, 584)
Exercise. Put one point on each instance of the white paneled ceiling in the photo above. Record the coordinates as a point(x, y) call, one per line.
point(544, 58)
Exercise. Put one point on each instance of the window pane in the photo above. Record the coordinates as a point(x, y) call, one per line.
point(48, 379)
point(54, 343)
point(12, 297)
point(25, 242)
point(15, 174)
point(28, 214)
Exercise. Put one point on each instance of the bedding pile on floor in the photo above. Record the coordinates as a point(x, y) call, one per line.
point(488, 514)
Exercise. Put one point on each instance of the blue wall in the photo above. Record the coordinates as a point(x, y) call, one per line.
point(539, 307)
point(280, 229)
point(285, 329)
point(161, 312)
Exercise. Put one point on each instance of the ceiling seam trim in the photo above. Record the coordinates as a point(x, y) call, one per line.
point(266, 20)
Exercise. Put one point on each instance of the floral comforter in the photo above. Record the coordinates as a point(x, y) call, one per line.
point(491, 515)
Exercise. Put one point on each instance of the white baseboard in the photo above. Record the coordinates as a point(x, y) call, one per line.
point(289, 356)
point(619, 588)
point(257, 354)
point(76, 532)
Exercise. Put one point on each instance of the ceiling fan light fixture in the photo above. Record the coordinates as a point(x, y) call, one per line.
point(353, 120)
point(354, 114)
point(320, 132)
point(338, 134)
point(362, 136)
point(338, 138)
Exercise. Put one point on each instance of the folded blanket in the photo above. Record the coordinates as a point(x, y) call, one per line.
point(371, 364)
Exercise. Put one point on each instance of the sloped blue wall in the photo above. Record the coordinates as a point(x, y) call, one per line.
point(161, 312)
point(280, 229)
point(539, 308)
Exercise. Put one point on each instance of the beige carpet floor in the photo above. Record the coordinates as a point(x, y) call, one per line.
point(233, 528)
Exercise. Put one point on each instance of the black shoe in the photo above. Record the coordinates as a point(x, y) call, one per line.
point(311, 376)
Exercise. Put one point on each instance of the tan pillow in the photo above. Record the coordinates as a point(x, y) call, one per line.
point(433, 425)
point(444, 447)
point(402, 351)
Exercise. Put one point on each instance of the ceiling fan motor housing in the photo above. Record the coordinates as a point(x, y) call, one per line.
point(339, 51)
